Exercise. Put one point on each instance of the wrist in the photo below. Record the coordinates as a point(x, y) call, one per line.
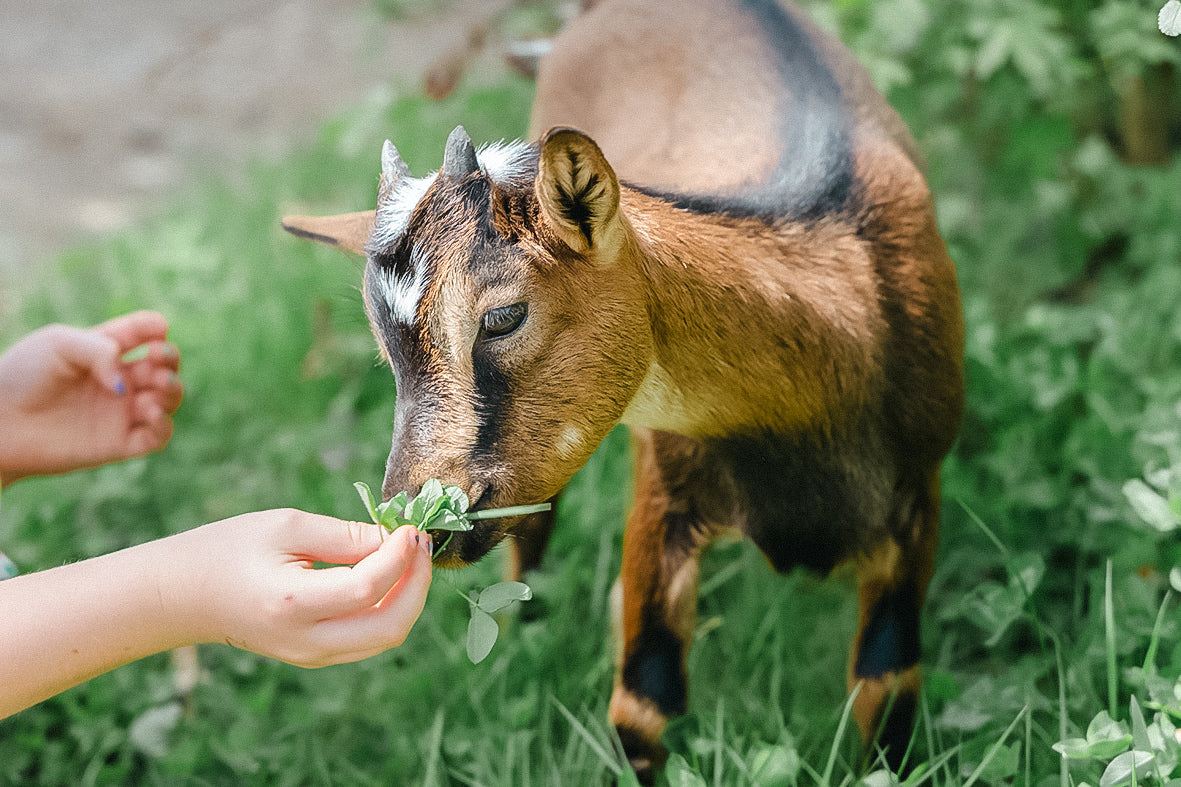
point(179, 585)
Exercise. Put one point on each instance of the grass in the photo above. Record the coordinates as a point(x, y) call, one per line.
point(1049, 609)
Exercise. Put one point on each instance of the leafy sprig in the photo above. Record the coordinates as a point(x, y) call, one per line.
point(439, 507)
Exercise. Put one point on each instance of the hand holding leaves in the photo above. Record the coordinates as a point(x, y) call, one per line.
point(439, 507)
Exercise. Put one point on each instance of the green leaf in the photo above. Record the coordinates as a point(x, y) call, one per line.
point(481, 635)
point(1025, 572)
point(445, 519)
point(1107, 737)
point(431, 491)
point(1139, 727)
point(391, 511)
point(1168, 21)
point(150, 731)
point(679, 773)
point(775, 765)
point(1073, 749)
point(496, 597)
point(1120, 771)
point(415, 510)
point(1151, 506)
point(367, 498)
point(459, 500)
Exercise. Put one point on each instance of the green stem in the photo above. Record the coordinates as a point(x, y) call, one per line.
point(1109, 625)
point(497, 513)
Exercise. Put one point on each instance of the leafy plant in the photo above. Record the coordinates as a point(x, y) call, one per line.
point(439, 507)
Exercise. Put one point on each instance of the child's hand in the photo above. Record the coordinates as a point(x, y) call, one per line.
point(249, 582)
point(69, 401)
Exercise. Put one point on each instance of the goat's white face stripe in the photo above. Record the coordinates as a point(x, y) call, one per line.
point(393, 214)
point(402, 293)
point(501, 162)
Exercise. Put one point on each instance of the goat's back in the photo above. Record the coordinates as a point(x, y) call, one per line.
point(746, 101)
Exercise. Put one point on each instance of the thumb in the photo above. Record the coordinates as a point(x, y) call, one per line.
point(91, 353)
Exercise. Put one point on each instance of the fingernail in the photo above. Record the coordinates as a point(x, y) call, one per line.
point(430, 545)
point(119, 386)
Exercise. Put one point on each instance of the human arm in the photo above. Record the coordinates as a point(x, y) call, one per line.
point(69, 401)
point(246, 581)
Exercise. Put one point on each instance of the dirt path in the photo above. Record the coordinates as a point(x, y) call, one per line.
point(106, 106)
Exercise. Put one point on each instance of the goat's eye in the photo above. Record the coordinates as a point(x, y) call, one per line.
point(503, 320)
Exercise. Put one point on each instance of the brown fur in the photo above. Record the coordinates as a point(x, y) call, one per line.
point(792, 373)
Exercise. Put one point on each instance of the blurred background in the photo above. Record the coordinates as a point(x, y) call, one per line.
point(108, 107)
point(147, 153)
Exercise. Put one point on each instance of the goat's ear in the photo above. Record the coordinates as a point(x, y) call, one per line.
point(348, 231)
point(578, 191)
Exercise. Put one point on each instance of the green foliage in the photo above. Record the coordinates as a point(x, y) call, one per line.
point(1051, 135)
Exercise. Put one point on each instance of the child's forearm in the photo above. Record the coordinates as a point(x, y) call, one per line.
point(248, 581)
point(64, 626)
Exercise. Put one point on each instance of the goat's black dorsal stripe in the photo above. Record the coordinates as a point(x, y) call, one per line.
point(814, 175)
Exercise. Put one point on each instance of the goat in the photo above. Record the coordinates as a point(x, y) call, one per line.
point(772, 313)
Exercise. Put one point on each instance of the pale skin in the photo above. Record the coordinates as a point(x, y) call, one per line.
point(69, 400)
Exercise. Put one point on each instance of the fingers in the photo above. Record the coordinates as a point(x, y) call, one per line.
point(386, 625)
point(329, 540)
point(131, 330)
point(148, 360)
point(343, 591)
point(151, 429)
point(160, 384)
point(88, 352)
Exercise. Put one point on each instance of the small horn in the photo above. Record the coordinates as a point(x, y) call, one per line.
point(459, 157)
point(393, 168)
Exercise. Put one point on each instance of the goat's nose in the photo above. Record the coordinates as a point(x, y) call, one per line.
point(395, 483)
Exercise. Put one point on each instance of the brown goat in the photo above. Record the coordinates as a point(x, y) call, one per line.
point(772, 313)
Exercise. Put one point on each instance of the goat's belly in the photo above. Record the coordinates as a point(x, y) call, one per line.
point(804, 504)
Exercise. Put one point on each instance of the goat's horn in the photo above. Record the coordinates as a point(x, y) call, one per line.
point(459, 157)
point(393, 168)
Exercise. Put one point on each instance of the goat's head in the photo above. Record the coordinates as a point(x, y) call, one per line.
point(503, 293)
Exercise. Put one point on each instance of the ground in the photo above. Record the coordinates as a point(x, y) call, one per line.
point(107, 107)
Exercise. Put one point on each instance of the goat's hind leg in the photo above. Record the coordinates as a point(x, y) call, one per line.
point(892, 582)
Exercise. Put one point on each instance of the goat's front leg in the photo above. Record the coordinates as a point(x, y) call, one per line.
point(657, 611)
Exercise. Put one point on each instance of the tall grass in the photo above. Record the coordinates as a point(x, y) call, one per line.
point(1069, 451)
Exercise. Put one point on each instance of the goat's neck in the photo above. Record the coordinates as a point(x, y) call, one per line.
point(756, 328)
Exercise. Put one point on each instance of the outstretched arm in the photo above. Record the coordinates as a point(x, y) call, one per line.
point(248, 581)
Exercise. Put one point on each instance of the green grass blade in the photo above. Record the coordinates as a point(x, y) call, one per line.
point(985, 529)
point(608, 760)
point(434, 748)
point(1149, 665)
point(1109, 625)
point(992, 750)
point(826, 778)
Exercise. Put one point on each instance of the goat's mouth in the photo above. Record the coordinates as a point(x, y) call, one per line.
point(458, 548)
